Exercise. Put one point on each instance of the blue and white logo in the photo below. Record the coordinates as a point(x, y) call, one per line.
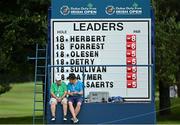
point(110, 10)
point(64, 10)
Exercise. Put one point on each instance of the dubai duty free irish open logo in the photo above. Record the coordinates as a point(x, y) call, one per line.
point(64, 10)
point(110, 10)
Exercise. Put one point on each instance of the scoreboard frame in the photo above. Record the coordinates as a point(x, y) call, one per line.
point(127, 99)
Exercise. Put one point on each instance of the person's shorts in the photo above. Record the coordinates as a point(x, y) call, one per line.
point(75, 99)
point(53, 100)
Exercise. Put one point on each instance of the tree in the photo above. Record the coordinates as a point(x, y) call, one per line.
point(166, 49)
point(22, 25)
point(178, 54)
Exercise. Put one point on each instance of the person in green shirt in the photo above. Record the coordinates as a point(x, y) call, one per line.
point(58, 95)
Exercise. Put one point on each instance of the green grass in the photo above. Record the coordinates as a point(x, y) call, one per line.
point(18, 102)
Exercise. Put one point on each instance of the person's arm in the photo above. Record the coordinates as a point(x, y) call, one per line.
point(69, 90)
point(65, 91)
point(53, 95)
point(71, 93)
point(81, 90)
point(52, 92)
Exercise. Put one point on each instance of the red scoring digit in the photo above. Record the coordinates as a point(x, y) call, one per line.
point(131, 61)
point(134, 84)
point(131, 38)
point(131, 76)
point(131, 45)
point(132, 69)
point(131, 84)
point(130, 53)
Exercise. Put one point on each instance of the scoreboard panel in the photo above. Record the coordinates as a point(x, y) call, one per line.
point(104, 42)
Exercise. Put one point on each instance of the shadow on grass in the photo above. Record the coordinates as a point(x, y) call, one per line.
point(20, 120)
point(174, 117)
point(168, 119)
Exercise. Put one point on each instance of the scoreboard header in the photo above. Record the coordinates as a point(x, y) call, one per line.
point(82, 9)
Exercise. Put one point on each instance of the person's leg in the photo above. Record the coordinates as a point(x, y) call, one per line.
point(78, 106)
point(64, 103)
point(72, 110)
point(71, 107)
point(53, 109)
point(53, 103)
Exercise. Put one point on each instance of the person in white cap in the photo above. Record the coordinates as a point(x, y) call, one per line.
point(58, 95)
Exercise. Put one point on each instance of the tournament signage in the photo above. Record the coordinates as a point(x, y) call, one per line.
point(100, 37)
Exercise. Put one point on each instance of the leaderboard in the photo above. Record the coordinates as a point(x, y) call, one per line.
point(104, 42)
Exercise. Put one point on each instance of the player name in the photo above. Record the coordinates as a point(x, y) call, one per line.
point(84, 54)
point(97, 69)
point(87, 38)
point(86, 46)
point(90, 77)
point(99, 84)
point(81, 61)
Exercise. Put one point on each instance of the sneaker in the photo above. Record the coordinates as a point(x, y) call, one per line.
point(76, 121)
point(65, 118)
point(53, 119)
point(72, 119)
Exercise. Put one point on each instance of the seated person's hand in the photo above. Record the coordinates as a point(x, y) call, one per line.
point(59, 99)
point(75, 93)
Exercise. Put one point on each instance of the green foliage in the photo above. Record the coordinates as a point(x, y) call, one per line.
point(167, 40)
point(4, 88)
point(166, 50)
point(23, 23)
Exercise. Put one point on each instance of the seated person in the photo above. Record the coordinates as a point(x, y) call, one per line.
point(75, 92)
point(58, 95)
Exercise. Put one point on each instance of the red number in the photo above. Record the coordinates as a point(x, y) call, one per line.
point(131, 61)
point(132, 69)
point(131, 38)
point(131, 76)
point(134, 84)
point(131, 45)
point(131, 84)
point(131, 53)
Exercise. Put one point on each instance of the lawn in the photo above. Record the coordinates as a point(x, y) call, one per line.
point(18, 102)
point(16, 106)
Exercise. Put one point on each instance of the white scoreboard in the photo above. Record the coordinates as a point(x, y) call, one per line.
point(102, 43)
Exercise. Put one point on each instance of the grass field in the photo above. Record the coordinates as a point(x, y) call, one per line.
point(16, 106)
point(18, 102)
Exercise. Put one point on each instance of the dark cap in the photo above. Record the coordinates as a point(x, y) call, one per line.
point(71, 76)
